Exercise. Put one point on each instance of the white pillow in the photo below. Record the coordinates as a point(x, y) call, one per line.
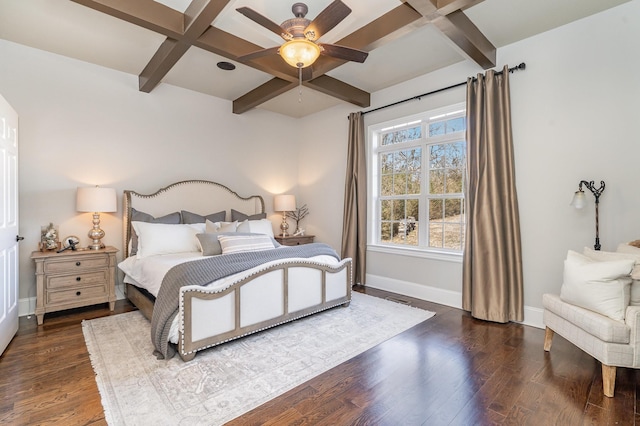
point(602, 287)
point(215, 227)
point(160, 238)
point(262, 226)
point(242, 243)
point(635, 274)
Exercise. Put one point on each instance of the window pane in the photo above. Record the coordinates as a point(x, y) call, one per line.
point(436, 181)
point(385, 210)
point(386, 163)
point(386, 185)
point(403, 135)
point(456, 125)
point(413, 185)
point(453, 236)
point(398, 209)
point(385, 232)
point(413, 209)
point(437, 128)
point(436, 156)
point(454, 179)
point(399, 184)
point(436, 210)
point(453, 210)
point(455, 155)
point(435, 234)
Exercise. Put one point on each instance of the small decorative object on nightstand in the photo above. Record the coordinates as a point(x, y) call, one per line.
point(72, 279)
point(295, 240)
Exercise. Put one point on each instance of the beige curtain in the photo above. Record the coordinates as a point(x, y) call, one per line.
point(354, 225)
point(492, 266)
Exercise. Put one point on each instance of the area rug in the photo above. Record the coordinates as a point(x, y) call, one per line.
point(226, 381)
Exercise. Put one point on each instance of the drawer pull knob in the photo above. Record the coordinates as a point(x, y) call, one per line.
point(78, 278)
point(78, 293)
point(77, 263)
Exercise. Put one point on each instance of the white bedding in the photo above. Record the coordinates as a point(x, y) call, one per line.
point(149, 272)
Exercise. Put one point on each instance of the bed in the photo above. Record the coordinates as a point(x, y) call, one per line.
point(197, 298)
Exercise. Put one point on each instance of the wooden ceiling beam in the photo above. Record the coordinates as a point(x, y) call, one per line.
point(448, 17)
point(261, 94)
point(341, 90)
point(197, 18)
point(148, 14)
point(468, 38)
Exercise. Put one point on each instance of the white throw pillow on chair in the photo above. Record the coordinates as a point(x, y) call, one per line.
point(600, 286)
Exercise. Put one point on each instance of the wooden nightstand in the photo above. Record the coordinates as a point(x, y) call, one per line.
point(295, 241)
point(72, 279)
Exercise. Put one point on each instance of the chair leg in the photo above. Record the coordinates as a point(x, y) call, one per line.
point(608, 380)
point(548, 337)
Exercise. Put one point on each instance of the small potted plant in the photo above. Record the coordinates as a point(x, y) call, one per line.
point(298, 214)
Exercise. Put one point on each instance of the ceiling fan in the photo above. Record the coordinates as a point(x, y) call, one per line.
point(300, 49)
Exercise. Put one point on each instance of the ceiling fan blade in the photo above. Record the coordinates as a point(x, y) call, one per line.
point(331, 16)
point(346, 53)
point(262, 20)
point(259, 54)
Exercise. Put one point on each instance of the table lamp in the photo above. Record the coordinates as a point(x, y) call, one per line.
point(96, 200)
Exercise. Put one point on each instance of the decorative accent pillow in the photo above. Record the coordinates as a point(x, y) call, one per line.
point(210, 246)
point(602, 287)
point(239, 216)
point(188, 217)
point(213, 227)
point(160, 238)
point(138, 216)
point(635, 274)
point(621, 254)
point(262, 226)
point(244, 243)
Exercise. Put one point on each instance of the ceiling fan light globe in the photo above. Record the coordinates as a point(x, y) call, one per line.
point(299, 51)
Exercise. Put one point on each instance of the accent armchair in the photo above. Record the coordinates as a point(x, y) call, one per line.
point(614, 343)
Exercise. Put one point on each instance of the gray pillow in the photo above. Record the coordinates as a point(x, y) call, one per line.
point(236, 215)
point(138, 216)
point(188, 217)
point(211, 246)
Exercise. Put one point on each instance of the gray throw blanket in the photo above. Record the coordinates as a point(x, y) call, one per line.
point(204, 271)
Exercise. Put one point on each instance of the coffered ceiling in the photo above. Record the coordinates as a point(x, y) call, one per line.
point(179, 42)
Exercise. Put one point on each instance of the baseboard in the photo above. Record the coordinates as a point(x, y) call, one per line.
point(27, 306)
point(532, 315)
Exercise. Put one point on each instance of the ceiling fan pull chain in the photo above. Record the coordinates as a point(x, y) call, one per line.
point(299, 84)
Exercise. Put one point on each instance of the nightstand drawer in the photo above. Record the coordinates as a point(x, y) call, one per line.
point(80, 294)
point(76, 280)
point(71, 265)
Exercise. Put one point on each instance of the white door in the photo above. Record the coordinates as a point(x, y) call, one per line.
point(8, 223)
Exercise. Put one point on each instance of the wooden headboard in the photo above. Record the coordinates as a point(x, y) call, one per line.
point(197, 196)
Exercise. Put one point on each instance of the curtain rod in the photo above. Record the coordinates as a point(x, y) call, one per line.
point(519, 67)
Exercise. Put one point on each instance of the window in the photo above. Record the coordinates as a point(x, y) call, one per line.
point(417, 181)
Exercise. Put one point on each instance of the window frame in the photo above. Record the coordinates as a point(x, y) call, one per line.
point(375, 149)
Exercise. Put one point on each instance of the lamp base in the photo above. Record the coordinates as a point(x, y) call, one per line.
point(96, 234)
point(284, 226)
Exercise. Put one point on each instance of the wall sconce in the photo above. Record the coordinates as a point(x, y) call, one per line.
point(97, 200)
point(284, 203)
point(579, 201)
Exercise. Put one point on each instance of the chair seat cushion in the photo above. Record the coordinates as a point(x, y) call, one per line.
point(597, 325)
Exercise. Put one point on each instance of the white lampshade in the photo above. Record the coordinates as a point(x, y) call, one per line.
point(96, 199)
point(284, 203)
point(579, 200)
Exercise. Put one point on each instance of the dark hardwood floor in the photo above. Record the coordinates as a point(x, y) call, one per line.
point(450, 369)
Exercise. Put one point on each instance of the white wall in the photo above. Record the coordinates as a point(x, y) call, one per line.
point(81, 125)
point(574, 113)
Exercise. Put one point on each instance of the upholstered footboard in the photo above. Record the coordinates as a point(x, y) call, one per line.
point(281, 292)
